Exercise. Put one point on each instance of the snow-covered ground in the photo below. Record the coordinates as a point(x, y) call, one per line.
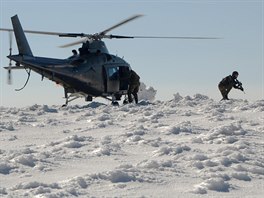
point(189, 146)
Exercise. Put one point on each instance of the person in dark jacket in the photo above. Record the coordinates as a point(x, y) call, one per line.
point(228, 83)
point(133, 87)
point(74, 54)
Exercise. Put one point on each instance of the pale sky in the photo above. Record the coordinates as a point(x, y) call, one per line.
point(170, 66)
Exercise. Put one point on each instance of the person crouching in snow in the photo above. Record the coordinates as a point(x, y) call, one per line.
point(228, 83)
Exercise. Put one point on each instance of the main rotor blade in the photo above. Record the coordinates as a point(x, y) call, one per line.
point(62, 34)
point(74, 43)
point(36, 32)
point(121, 23)
point(174, 37)
point(158, 37)
point(110, 36)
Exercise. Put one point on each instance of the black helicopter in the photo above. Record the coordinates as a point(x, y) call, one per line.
point(94, 72)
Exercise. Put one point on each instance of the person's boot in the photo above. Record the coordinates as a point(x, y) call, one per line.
point(225, 98)
point(136, 98)
point(130, 100)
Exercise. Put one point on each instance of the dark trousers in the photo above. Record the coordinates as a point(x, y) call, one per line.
point(224, 91)
point(133, 90)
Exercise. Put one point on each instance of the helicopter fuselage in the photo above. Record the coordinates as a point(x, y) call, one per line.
point(93, 74)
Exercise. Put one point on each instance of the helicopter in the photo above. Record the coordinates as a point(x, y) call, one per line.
point(91, 73)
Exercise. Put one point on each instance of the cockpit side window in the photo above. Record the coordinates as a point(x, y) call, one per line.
point(113, 73)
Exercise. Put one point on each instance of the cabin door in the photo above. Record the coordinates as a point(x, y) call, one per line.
point(112, 80)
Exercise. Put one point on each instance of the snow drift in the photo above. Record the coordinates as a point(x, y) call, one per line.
point(185, 147)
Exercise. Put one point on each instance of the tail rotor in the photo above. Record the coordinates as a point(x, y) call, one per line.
point(9, 77)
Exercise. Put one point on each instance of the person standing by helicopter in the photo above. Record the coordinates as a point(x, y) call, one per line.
point(228, 83)
point(133, 86)
point(74, 54)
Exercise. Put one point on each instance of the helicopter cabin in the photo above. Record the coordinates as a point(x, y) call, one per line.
point(116, 78)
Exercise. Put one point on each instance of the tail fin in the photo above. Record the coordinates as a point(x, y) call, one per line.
point(22, 44)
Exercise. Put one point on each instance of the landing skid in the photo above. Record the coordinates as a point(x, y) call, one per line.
point(69, 100)
point(115, 103)
point(74, 96)
point(113, 100)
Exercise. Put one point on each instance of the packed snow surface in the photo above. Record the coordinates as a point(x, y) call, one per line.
point(189, 146)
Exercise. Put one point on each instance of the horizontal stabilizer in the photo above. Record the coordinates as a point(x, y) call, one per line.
point(14, 67)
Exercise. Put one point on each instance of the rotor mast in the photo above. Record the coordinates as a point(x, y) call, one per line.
point(95, 46)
